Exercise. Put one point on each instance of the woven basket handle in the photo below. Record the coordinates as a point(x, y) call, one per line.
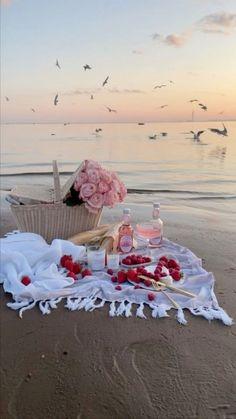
point(56, 180)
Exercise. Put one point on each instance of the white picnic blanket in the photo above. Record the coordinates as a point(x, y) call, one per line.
point(28, 254)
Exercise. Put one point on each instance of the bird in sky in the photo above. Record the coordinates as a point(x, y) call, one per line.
point(56, 100)
point(110, 109)
point(163, 106)
point(196, 135)
point(105, 81)
point(152, 137)
point(193, 100)
point(87, 67)
point(98, 129)
point(223, 132)
point(159, 86)
point(7, 98)
point(32, 109)
point(91, 97)
point(204, 107)
point(171, 81)
point(58, 65)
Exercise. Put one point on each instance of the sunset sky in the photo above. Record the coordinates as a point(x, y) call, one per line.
point(187, 45)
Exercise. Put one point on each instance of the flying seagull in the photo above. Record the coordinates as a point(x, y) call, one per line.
point(171, 81)
point(163, 106)
point(58, 65)
point(7, 98)
point(98, 130)
point(223, 132)
point(152, 137)
point(204, 107)
point(159, 86)
point(56, 100)
point(193, 100)
point(87, 67)
point(105, 81)
point(109, 109)
point(196, 135)
point(91, 97)
point(32, 109)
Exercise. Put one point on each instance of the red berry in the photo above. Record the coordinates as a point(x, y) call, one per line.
point(69, 265)
point(121, 276)
point(86, 272)
point(136, 287)
point(25, 280)
point(114, 278)
point(71, 275)
point(64, 258)
point(76, 268)
point(147, 282)
point(151, 296)
point(163, 274)
point(164, 258)
point(118, 287)
point(176, 275)
point(157, 277)
point(110, 271)
point(172, 263)
point(131, 274)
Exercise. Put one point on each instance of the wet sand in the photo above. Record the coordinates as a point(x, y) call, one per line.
point(80, 365)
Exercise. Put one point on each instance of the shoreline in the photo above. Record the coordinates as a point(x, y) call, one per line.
point(89, 366)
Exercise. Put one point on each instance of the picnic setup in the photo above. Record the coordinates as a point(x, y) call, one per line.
point(62, 253)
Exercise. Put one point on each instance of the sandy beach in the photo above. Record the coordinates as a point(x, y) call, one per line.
point(80, 365)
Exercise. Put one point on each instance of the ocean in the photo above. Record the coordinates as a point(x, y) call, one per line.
point(174, 169)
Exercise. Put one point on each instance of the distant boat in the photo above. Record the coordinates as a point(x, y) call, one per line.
point(141, 123)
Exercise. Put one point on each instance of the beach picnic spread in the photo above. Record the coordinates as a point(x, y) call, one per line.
point(60, 252)
point(32, 272)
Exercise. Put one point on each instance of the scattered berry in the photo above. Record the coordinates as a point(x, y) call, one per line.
point(69, 265)
point(151, 296)
point(64, 258)
point(76, 268)
point(86, 272)
point(121, 276)
point(71, 275)
point(110, 271)
point(118, 287)
point(147, 282)
point(136, 287)
point(131, 274)
point(176, 275)
point(114, 278)
point(172, 263)
point(25, 280)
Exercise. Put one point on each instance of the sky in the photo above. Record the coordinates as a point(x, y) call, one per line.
point(186, 46)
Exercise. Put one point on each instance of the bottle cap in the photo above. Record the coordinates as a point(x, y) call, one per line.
point(126, 211)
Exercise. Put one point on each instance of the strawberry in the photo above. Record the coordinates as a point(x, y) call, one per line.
point(121, 276)
point(151, 296)
point(25, 280)
point(136, 287)
point(163, 274)
point(64, 258)
point(176, 275)
point(157, 277)
point(69, 265)
point(110, 271)
point(118, 287)
point(71, 275)
point(76, 268)
point(131, 274)
point(86, 272)
point(164, 258)
point(114, 278)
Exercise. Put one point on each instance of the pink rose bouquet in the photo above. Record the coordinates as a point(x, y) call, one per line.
point(96, 187)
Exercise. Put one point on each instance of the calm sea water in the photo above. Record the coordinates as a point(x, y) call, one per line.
point(174, 168)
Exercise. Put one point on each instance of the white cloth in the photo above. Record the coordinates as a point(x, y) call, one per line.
point(28, 254)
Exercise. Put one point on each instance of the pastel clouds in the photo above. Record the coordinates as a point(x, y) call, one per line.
point(221, 22)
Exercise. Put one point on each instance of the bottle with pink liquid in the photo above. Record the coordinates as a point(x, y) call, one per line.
point(152, 230)
point(125, 240)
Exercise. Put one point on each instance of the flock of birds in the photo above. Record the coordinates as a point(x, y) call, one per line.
point(196, 135)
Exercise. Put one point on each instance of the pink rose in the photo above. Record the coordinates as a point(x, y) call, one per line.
point(96, 200)
point(106, 176)
point(87, 190)
point(93, 176)
point(110, 198)
point(79, 180)
point(102, 187)
point(91, 164)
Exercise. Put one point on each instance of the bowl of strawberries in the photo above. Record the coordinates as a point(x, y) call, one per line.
point(135, 260)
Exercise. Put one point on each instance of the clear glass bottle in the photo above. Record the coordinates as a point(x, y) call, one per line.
point(152, 230)
point(125, 240)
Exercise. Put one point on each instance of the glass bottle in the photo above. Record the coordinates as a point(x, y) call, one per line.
point(125, 240)
point(152, 230)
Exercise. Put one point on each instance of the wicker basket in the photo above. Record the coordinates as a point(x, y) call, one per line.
point(54, 219)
